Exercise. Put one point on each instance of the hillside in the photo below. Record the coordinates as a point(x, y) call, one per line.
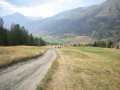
point(79, 25)
point(98, 21)
point(18, 18)
point(14, 18)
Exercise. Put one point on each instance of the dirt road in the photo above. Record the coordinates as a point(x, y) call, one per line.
point(26, 75)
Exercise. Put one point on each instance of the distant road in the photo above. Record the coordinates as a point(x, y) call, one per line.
point(26, 75)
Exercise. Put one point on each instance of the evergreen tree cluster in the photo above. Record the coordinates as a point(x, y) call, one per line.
point(118, 46)
point(82, 45)
point(18, 36)
point(103, 44)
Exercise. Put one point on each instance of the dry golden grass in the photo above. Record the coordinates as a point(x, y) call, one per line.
point(86, 68)
point(12, 54)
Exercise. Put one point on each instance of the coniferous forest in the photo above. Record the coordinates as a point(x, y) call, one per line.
point(18, 35)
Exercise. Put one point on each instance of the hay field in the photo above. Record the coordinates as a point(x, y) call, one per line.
point(86, 68)
point(12, 54)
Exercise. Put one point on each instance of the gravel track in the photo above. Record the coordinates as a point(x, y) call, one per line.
point(26, 75)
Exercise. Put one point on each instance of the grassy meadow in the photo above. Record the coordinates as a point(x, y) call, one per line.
point(12, 54)
point(85, 68)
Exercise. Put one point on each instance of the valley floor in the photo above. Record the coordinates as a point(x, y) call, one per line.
point(85, 68)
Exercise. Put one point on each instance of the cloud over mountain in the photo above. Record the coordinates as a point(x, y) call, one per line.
point(43, 8)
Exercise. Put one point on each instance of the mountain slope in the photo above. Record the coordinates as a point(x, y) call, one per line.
point(18, 18)
point(14, 18)
point(53, 24)
point(101, 22)
point(77, 25)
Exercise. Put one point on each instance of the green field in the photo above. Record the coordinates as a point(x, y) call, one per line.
point(86, 68)
point(69, 39)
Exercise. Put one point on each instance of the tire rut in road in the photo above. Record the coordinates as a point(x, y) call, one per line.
point(10, 83)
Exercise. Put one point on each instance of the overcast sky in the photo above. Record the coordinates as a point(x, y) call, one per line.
point(42, 8)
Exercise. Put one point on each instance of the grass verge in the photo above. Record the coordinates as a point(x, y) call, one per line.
point(48, 77)
point(13, 54)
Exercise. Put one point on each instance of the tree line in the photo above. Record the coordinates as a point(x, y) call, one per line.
point(18, 35)
point(103, 44)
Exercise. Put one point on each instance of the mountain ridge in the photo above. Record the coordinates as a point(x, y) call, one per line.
point(98, 22)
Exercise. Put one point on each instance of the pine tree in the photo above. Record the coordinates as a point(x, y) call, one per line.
point(5, 37)
point(15, 34)
point(74, 45)
point(23, 36)
point(98, 43)
point(3, 34)
point(11, 35)
point(1, 22)
point(36, 41)
point(1, 31)
point(118, 46)
point(18, 36)
point(31, 40)
point(103, 44)
point(95, 44)
point(27, 42)
point(110, 44)
point(41, 42)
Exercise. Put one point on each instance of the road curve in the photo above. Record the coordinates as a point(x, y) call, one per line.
point(26, 75)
